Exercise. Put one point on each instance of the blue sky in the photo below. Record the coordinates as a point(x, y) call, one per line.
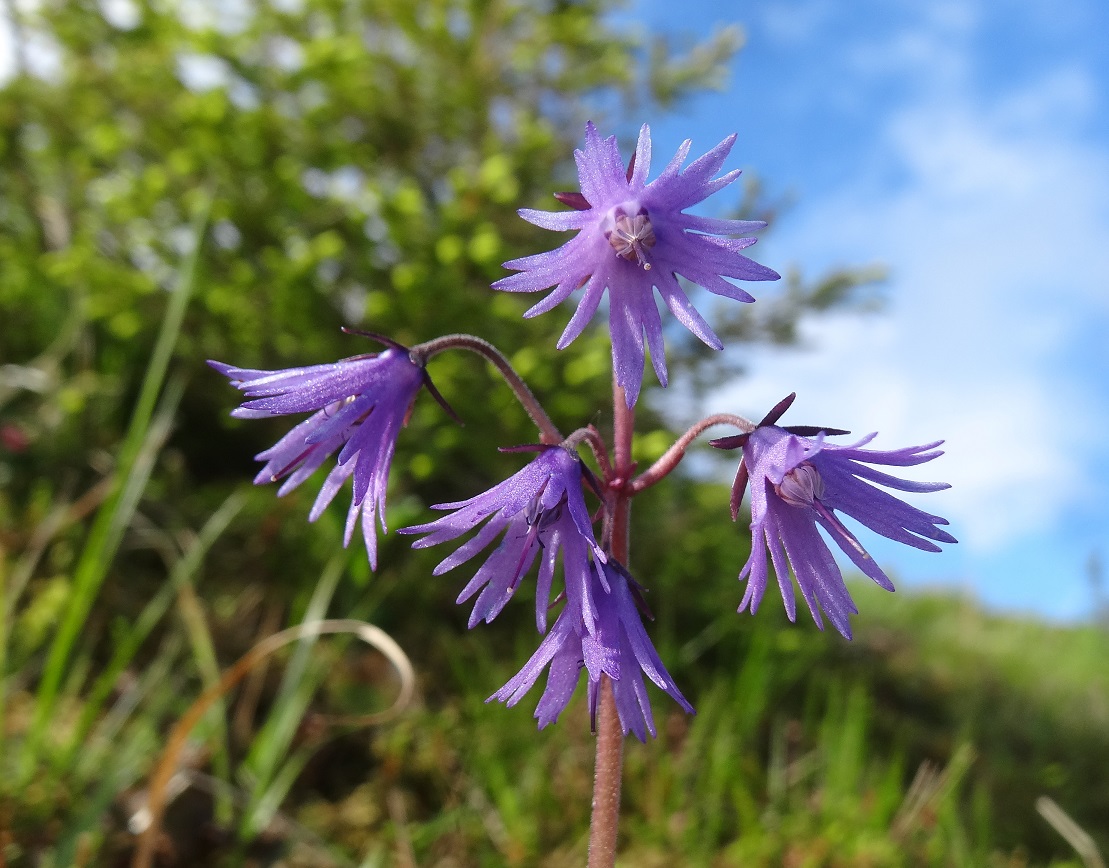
point(964, 145)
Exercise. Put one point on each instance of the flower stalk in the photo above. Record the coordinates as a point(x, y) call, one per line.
point(548, 432)
point(609, 759)
point(672, 456)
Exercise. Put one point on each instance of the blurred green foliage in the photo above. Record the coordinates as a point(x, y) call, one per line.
point(362, 161)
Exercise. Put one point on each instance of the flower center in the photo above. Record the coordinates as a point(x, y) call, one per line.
point(632, 236)
point(801, 486)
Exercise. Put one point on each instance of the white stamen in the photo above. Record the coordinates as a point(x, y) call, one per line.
point(632, 236)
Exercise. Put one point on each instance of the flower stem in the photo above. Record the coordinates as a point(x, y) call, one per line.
point(591, 437)
point(607, 778)
point(608, 771)
point(659, 470)
point(547, 431)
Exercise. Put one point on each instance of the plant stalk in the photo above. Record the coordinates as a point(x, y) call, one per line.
point(608, 770)
point(549, 434)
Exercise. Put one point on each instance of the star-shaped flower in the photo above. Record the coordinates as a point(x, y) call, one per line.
point(358, 406)
point(634, 237)
point(798, 481)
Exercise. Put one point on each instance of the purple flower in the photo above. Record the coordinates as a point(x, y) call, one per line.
point(799, 482)
point(617, 646)
point(634, 237)
point(358, 406)
point(540, 508)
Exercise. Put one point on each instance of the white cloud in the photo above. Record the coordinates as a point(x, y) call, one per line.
point(929, 56)
point(796, 23)
point(995, 233)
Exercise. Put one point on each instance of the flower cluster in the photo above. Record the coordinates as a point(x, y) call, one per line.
point(542, 509)
point(633, 238)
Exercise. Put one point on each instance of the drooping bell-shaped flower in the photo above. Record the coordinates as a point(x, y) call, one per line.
point(538, 510)
point(634, 237)
point(358, 407)
point(618, 647)
point(799, 483)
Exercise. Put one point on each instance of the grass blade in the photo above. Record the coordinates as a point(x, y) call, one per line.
point(114, 516)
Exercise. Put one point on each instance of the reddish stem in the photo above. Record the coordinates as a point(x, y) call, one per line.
point(608, 771)
point(661, 468)
point(548, 433)
point(591, 437)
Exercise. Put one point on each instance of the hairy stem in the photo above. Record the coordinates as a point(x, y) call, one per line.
point(608, 771)
point(591, 437)
point(547, 431)
point(661, 468)
point(607, 779)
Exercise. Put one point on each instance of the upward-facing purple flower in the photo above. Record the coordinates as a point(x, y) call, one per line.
point(616, 646)
point(358, 406)
point(634, 237)
point(540, 508)
point(799, 482)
